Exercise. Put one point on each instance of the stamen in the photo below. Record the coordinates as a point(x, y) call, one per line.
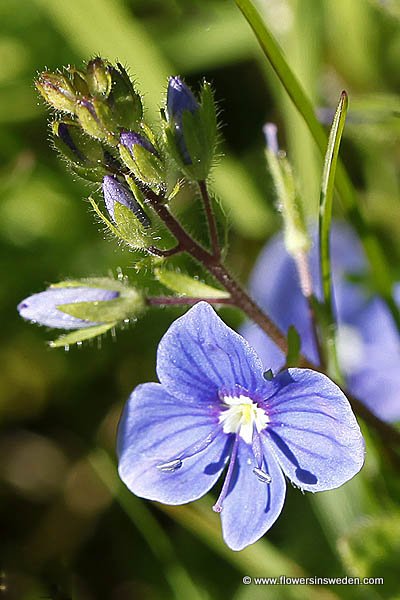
point(257, 449)
point(171, 466)
point(262, 475)
point(218, 505)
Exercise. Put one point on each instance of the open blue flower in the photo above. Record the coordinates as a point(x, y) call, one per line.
point(368, 344)
point(213, 410)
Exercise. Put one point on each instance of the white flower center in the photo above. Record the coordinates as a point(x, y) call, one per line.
point(350, 348)
point(241, 417)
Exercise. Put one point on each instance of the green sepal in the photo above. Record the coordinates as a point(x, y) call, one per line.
point(128, 229)
point(106, 311)
point(125, 102)
point(80, 335)
point(98, 77)
point(57, 90)
point(144, 165)
point(78, 80)
point(103, 283)
point(97, 119)
point(85, 150)
point(294, 347)
point(186, 285)
point(200, 134)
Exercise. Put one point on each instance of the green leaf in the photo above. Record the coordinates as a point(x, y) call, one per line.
point(294, 346)
point(325, 217)
point(80, 335)
point(186, 285)
point(326, 198)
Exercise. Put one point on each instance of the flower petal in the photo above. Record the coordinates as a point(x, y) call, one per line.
point(42, 308)
point(156, 428)
point(251, 506)
point(275, 285)
point(377, 380)
point(199, 354)
point(313, 431)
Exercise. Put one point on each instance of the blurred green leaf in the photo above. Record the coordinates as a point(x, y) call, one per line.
point(372, 549)
point(186, 285)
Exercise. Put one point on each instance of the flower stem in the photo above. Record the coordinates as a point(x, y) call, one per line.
point(212, 224)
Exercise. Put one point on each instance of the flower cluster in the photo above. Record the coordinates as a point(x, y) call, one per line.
point(368, 344)
point(214, 411)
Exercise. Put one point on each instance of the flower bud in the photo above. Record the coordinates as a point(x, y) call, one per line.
point(116, 192)
point(141, 157)
point(93, 305)
point(44, 308)
point(78, 81)
point(191, 128)
point(98, 77)
point(96, 118)
point(124, 101)
point(180, 99)
point(86, 156)
point(57, 90)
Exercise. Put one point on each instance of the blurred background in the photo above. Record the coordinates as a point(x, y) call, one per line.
point(69, 528)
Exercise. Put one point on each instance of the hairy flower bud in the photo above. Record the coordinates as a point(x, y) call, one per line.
point(115, 192)
point(191, 128)
point(98, 77)
point(92, 306)
point(57, 90)
point(124, 101)
point(141, 157)
point(86, 156)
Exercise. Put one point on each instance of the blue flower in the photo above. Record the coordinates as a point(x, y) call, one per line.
point(368, 344)
point(180, 99)
point(43, 308)
point(213, 410)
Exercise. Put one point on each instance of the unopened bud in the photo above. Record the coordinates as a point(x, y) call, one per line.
point(191, 128)
point(96, 119)
point(57, 90)
point(98, 77)
point(141, 157)
point(116, 192)
point(124, 101)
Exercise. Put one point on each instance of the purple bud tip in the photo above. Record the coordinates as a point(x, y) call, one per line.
point(114, 191)
point(271, 137)
point(179, 98)
point(131, 138)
